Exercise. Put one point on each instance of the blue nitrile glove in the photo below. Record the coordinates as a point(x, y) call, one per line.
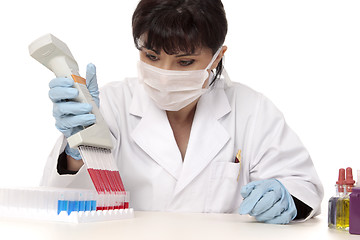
point(268, 201)
point(72, 116)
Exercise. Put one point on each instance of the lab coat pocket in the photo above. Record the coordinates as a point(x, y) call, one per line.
point(223, 190)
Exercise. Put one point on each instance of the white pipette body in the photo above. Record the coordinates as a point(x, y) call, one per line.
point(56, 56)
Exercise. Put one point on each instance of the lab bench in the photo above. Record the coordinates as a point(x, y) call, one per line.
point(171, 225)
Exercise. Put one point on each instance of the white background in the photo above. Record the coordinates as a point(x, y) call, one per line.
point(303, 55)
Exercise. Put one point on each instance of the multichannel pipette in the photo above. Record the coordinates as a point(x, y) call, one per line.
point(56, 56)
point(94, 142)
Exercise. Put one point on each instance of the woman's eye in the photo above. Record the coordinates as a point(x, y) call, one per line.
point(186, 63)
point(152, 57)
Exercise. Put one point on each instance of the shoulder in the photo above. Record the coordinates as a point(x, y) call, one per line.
point(242, 97)
point(119, 90)
point(115, 101)
point(126, 85)
point(117, 96)
point(239, 90)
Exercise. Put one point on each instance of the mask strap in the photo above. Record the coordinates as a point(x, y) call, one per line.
point(214, 58)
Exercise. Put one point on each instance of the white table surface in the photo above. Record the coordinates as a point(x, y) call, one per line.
point(162, 225)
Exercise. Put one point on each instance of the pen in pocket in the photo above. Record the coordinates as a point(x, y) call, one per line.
point(238, 157)
point(238, 160)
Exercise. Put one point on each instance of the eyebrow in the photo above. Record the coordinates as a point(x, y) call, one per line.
point(177, 56)
point(187, 54)
point(157, 52)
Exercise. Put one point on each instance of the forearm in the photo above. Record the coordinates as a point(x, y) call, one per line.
point(72, 164)
point(68, 165)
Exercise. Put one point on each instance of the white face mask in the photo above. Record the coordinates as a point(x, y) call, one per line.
point(173, 90)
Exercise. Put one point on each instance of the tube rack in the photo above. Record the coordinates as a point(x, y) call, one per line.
point(62, 204)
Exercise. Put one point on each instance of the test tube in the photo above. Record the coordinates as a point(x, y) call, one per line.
point(127, 200)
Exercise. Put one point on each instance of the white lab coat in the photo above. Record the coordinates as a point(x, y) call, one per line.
point(229, 117)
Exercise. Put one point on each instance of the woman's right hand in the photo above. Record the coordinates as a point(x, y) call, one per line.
point(71, 117)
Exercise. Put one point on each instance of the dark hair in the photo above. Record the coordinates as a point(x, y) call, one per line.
point(180, 26)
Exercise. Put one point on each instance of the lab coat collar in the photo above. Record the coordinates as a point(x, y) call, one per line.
point(207, 135)
point(140, 100)
point(155, 125)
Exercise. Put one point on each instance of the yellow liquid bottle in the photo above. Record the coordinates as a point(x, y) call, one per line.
point(340, 211)
point(343, 204)
point(339, 203)
point(349, 184)
point(346, 212)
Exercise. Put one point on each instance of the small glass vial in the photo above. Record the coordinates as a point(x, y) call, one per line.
point(349, 183)
point(332, 208)
point(343, 203)
point(338, 211)
point(340, 208)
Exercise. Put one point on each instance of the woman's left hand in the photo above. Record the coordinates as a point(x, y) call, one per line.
point(268, 201)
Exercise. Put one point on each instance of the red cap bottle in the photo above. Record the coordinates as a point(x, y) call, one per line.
point(341, 180)
point(349, 181)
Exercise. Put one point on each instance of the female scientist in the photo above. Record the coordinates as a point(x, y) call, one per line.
point(179, 125)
